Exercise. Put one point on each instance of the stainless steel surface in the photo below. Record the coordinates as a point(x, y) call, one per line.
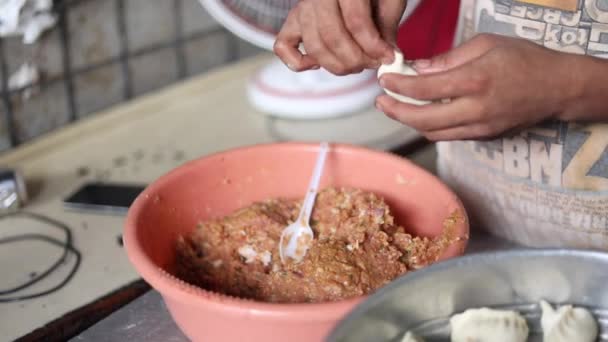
point(147, 319)
point(424, 300)
point(144, 319)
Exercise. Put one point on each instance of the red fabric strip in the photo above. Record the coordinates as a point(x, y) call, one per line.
point(430, 29)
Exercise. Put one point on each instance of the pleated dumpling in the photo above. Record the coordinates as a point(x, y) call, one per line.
point(567, 324)
point(410, 337)
point(487, 325)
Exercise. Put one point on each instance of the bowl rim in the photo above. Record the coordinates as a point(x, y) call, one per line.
point(520, 252)
point(170, 286)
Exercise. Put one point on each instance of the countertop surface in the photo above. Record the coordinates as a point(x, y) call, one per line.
point(137, 142)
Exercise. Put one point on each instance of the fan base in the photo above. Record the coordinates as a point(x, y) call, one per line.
point(310, 95)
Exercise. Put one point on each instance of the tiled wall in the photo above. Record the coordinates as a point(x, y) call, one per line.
point(104, 52)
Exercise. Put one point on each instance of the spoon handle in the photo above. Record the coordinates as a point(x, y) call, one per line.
point(313, 186)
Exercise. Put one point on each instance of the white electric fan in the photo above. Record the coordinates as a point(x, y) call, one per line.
point(275, 89)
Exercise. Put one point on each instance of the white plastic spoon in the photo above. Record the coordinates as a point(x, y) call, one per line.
point(297, 237)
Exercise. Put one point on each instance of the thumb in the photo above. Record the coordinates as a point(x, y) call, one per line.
point(388, 16)
point(458, 56)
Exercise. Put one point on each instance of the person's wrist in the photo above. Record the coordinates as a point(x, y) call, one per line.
point(570, 84)
point(584, 79)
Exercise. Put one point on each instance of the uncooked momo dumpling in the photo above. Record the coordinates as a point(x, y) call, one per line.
point(400, 67)
point(487, 325)
point(567, 324)
point(410, 337)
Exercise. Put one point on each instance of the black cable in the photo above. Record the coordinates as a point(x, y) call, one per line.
point(67, 249)
point(56, 264)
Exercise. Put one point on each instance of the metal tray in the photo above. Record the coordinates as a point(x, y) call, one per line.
point(423, 301)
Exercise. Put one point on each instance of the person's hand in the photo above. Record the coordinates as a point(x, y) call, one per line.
point(496, 84)
point(342, 36)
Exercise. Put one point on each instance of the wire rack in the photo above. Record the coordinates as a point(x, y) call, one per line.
point(62, 7)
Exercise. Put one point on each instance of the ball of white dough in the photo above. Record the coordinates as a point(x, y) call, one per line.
point(399, 66)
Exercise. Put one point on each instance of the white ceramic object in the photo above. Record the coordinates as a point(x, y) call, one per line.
point(400, 66)
point(488, 325)
point(567, 324)
point(249, 31)
point(279, 92)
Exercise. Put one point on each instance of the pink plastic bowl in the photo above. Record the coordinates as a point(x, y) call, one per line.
point(216, 185)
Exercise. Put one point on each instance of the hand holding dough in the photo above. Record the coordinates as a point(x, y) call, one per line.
point(400, 67)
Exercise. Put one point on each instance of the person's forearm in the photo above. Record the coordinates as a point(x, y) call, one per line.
point(588, 93)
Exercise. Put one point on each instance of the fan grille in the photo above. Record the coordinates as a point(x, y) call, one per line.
point(264, 15)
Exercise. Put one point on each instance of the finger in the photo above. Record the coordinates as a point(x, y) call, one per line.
point(337, 39)
point(286, 46)
point(315, 47)
point(359, 21)
point(461, 81)
point(389, 16)
point(458, 56)
point(431, 117)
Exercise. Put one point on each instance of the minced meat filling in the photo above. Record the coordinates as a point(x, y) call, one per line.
point(357, 249)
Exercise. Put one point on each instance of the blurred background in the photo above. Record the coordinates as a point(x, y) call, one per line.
point(102, 52)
